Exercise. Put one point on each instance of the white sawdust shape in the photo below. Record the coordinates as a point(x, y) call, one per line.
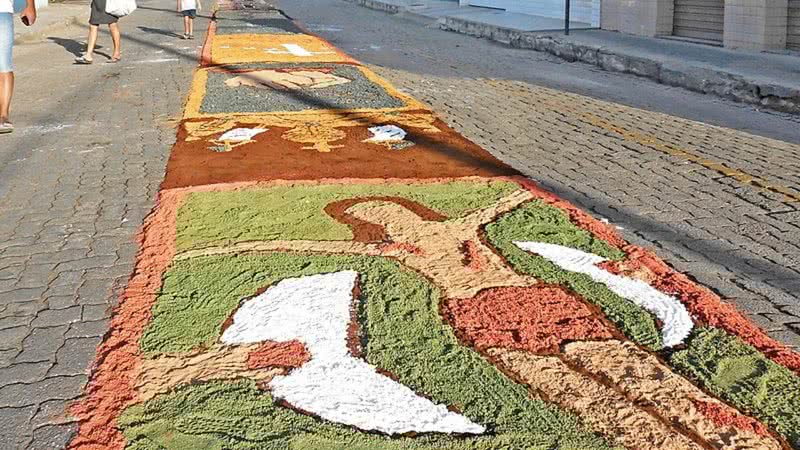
point(677, 323)
point(334, 385)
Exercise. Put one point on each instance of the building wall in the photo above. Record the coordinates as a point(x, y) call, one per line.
point(755, 24)
point(749, 24)
point(793, 25)
point(586, 11)
point(639, 17)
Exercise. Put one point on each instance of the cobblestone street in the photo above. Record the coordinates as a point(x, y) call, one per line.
point(712, 187)
point(76, 180)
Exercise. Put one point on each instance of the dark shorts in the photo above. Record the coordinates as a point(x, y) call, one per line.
point(99, 15)
point(189, 13)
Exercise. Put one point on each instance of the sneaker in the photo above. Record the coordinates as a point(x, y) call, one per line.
point(6, 127)
point(83, 60)
point(185, 36)
point(191, 36)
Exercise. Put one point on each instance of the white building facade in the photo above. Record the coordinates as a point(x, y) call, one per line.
point(743, 24)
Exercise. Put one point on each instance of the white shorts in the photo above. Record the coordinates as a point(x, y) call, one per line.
point(6, 41)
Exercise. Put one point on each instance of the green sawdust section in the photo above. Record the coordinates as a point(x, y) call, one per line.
point(296, 212)
point(404, 334)
point(536, 221)
point(741, 375)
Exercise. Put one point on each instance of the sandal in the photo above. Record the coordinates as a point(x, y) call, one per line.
point(6, 128)
point(83, 60)
point(114, 60)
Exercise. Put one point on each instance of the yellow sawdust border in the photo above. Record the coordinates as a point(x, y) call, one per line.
point(235, 49)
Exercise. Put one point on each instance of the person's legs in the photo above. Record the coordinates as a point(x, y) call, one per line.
point(114, 29)
point(6, 90)
point(191, 26)
point(92, 42)
point(185, 25)
point(6, 68)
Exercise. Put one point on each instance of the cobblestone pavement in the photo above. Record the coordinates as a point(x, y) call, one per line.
point(76, 179)
point(81, 173)
point(683, 188)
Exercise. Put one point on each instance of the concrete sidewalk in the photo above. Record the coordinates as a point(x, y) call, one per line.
point(771, 80)
point(54, 18)
point(449, 9)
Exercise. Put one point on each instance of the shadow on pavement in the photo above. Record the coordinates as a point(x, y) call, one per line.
point(159, 31)
point(75, 47)
point(176, 12)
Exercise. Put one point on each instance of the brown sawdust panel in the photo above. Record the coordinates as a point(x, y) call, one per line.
point(271, 157)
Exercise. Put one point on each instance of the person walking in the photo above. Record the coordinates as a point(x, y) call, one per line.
point(98, 17)
point(188, 9)
point(28, 17)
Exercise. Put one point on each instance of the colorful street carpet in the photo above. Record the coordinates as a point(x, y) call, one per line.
point(330, 266)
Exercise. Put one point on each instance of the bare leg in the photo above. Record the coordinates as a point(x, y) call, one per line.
point(92, 42)
point(114, 28)
point(185, 25)
point(6, 89)
point(191, 26)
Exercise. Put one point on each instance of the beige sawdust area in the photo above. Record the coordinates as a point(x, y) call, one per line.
point(442, 257)
point(645, 380)
point(600, 408)
point(641, 381)
point(166, 372)
point(286, 80)
point(339, 247)
point(434, 249)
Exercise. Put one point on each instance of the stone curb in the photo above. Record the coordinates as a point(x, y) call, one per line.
point(40, 34)
point(378, 5)
point(698, 79)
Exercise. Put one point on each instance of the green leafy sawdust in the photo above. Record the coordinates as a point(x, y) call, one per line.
point(537, 221)
point(239, 416)
point(295, 212)
point(741, 375)
point(405, 335)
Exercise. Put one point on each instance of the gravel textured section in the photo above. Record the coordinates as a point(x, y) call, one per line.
point(249, 14)
point(359, 93)
point(258, 24)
